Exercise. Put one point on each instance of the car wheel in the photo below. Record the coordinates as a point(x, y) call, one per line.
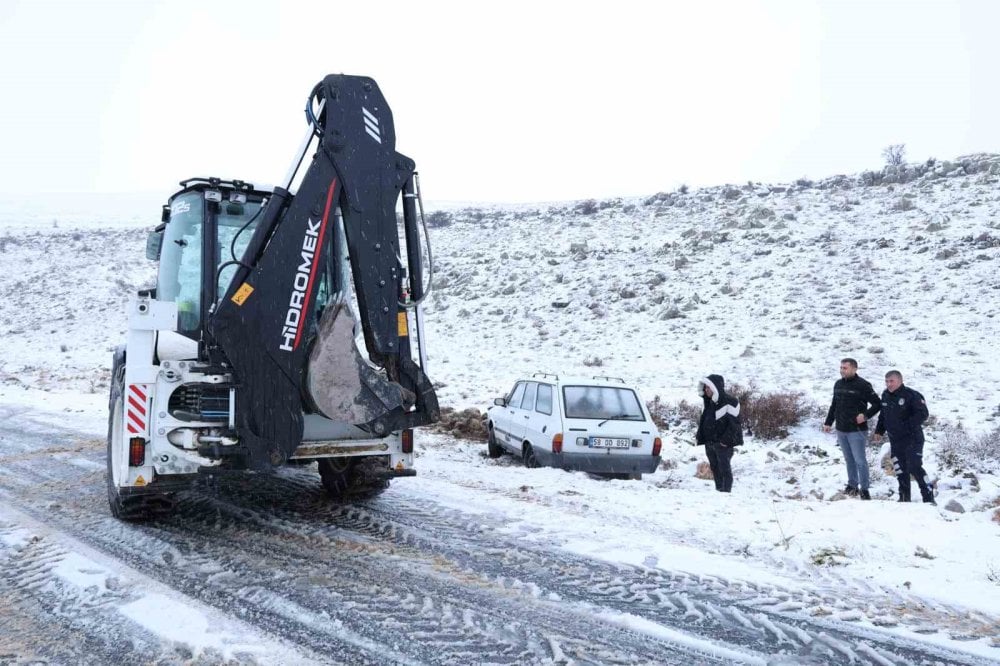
point(492, 448)
point(530, 461)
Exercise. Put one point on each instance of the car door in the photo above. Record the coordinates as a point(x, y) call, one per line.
point(507, 419)
point(540, 420)
point(519, 422)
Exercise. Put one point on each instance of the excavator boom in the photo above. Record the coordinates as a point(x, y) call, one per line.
point(292, 349)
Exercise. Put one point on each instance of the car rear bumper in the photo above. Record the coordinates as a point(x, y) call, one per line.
point(600, 463)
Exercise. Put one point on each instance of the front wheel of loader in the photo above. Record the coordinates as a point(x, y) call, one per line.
point(352, 478)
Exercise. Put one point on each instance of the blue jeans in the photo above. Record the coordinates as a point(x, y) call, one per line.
point(853, 445)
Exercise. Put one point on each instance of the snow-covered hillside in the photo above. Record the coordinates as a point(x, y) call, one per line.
point(771, 284)
point(765, 284)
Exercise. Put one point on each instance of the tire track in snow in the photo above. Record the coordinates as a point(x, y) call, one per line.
point(345, 597)
point(824, 592)
point(433, 581)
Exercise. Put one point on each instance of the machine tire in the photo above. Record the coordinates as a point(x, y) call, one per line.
point(139, 507)
point(530, 461)
point(493, 449)
point(350, 478)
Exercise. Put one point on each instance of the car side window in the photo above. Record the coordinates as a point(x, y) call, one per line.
point(515, 396)
point(529, 396)
point(543, 403)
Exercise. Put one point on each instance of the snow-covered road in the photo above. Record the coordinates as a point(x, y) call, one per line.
point(266, 569)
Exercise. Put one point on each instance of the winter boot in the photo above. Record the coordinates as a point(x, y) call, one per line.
point(863, 493)
point(850, 490)
point(928, 497)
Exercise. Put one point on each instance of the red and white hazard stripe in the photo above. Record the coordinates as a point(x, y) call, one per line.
point(137, 402)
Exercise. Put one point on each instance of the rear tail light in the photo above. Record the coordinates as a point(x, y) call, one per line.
point(136, 452)
point(657, 444)
point(557, 443)
point(408, 440)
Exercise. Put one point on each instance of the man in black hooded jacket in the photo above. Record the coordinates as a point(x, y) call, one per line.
point(719, 429)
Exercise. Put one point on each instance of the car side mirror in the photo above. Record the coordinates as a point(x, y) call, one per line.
point(153, 244)
point(499, 402)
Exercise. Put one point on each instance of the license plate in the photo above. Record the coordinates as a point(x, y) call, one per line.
point(609, 443)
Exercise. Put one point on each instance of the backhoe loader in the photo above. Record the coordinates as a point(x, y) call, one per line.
point(285, 325)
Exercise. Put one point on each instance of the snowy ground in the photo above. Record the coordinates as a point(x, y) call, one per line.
point(770, 284)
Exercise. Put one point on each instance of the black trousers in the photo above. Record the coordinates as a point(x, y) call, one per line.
point(718, 459)
point(907, 461)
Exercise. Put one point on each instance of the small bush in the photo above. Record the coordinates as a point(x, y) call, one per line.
point(466, 424)
point(769, 415)
point(683, 189)
point(894, 154)
point(588, 207)
point(904, 204)
point(439, 218)
point(959, 451)
point(664, 415)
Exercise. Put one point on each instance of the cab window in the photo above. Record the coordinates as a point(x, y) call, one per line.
point(236, 223)
point(179, 278)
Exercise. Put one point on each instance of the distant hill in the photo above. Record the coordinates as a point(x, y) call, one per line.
point(765, 283)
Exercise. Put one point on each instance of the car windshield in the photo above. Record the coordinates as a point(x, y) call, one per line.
point(602, 402)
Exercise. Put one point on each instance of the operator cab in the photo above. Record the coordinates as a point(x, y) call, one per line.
point(195, 268)
point(206, 224)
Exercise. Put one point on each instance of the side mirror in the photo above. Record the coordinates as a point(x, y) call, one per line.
point(153, 244)
point(499, 402)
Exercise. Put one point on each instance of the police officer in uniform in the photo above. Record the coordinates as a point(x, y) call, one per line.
point(903, 413)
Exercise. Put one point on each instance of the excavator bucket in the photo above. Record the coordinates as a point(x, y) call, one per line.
point(344, 386)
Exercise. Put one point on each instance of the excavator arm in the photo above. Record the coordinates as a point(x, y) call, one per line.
point(287, 351)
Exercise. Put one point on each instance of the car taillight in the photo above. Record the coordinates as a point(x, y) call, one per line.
point(557, 443)
point(656, 446)
point(136, 452)
point(408, 440)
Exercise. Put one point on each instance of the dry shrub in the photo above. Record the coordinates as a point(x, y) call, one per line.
point(958, 450)
point(769, 415)
point(467, 424)
point(665, 415)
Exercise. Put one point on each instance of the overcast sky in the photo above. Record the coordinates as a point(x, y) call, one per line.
point(509, 101)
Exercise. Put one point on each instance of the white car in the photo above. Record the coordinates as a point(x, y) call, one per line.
point(596, 424)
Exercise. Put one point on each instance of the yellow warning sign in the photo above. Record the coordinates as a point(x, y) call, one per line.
point(139, 481)
point(242, 294)
point(401, 319)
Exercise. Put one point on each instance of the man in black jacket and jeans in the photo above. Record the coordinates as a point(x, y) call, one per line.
point(850, 410)
point(903, 414)
point(719, 429)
